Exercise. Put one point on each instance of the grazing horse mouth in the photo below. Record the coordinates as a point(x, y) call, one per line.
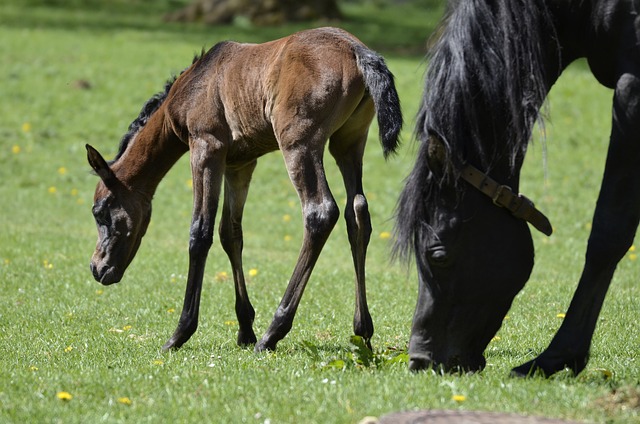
point(105, 275)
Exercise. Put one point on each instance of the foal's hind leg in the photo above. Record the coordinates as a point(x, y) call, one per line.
point(236, 186)
point(320, 211)
point(358, 222)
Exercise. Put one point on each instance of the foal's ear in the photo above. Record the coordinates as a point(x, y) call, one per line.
point(100, 166)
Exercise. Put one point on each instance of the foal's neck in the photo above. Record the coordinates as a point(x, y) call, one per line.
point(150, 155)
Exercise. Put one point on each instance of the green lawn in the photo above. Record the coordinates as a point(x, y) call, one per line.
point(74, 75)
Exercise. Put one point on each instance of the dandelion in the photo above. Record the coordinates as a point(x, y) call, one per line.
point(127, 327)
point(189, 184)
point(561, 315)
point(124, 400)
point(68, 349)
point(171, 310)
point(99, 292)
point(287, 237)
point(632, 248)
point(231, 322)
point(62, 170)
point(253, 272)
point(633, 256)
point(221, 276)
point(33, 368)
point(385, 235)
point(26, 127)
point(52, 190)
point(286, 218)
point(47, 264)
point(158, 362)
point(458, 398)
point(74, 191)
point(15, 149)
point(495, 338)
point(66, 396)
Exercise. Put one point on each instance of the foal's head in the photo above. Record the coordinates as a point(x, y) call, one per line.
point(122, 214)
point(122, 217)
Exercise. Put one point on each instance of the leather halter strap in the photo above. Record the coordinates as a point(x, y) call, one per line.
point(502, 196)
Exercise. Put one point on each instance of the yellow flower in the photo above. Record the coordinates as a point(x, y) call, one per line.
point(189, 183)
point(231, 322)
point(52, 190)
point(62, 170)
point(64, 396)
point(495, 338)
point(47, 264)
point(74, 192)
point(33, 368)
point(68, 349)
point(124, 400)
point(158, 362)
point(287, 237)
point(221, 276)
point(459, 398)
point(561, 315)
point(99, 292)
point(26, 127)
point(286, 218)
point(126, 327)
point(385, 235)
point(632, 248)
point(253, 272)
point(15, 149)
point(171, 310)
point(633, 256)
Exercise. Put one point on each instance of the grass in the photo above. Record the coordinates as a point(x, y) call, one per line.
point(62, 332)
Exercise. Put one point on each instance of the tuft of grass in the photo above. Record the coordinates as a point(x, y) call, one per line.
point(74, 351)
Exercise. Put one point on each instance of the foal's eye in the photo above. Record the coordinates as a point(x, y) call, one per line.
point(101, 215)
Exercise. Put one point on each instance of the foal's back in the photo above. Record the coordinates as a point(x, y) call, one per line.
point(256, 98)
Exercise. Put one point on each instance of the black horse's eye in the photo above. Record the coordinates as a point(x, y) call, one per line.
point(438, 256)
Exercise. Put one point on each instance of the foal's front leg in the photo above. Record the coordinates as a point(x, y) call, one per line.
point(236, 187)
point(207, 168)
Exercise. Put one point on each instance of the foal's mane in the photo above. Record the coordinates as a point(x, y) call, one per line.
point(484, 87)
point(148, 109)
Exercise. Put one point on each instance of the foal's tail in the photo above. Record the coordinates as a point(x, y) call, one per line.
point(379, 82)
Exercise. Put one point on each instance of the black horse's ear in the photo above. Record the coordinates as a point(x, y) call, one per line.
point(437, 155)
point(100, 166)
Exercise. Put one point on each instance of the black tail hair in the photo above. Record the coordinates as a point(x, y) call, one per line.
point(380, 85)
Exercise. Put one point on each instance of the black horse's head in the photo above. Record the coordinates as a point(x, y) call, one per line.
point(122, 217)
point(474, 253)
point(460, 212)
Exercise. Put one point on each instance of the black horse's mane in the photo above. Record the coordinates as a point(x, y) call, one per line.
point(148, 109)
point(484, 87)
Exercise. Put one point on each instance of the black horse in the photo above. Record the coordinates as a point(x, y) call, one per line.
point(489, 73)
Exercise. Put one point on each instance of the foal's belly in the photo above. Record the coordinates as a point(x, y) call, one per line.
point(246, 149)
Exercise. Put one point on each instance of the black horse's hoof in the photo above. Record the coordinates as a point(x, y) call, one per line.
point(264, 346)
point(545, 366)
point(419, 364)
point(246, 339)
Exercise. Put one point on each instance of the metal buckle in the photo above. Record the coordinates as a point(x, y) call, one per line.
point(496, 196)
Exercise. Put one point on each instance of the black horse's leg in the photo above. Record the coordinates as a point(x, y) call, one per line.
point(207, 168)
point(358, 222)
point(236, 187)
point(614, 225)
point(304, 164)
